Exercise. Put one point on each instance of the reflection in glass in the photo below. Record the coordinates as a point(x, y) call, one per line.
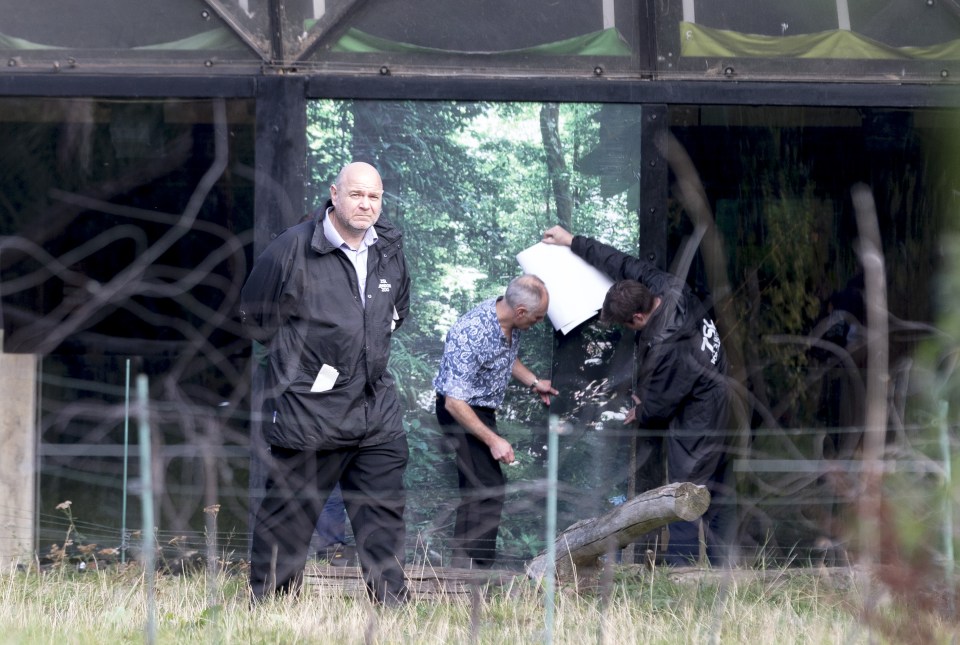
point(471, 185)
point(134, 24)
point(93, 188)
point(499, 33)
point(123, 245)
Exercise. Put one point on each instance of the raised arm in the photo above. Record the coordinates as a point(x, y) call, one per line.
point(615, 263)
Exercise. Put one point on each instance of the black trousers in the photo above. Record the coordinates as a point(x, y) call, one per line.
point(718, 521)
point(481, 484)
point(297, 487)
point(702, 457)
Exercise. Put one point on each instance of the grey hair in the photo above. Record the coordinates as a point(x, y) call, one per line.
point(526, 290)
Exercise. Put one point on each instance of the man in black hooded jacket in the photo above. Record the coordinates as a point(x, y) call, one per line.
point(681, 383)
point(324, 299)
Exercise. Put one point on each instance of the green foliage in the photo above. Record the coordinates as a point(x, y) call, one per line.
point(413, 365)
point(783, 231)
point(468, 185)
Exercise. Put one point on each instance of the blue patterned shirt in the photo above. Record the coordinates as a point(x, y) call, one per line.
point(477, 359)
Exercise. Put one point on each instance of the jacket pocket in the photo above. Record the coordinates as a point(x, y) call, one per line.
point(319, 380)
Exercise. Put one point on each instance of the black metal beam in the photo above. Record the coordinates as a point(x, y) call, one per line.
point(654, 177)
point(281, 154)
point(648, 27)
point(277, 18)
point(667, 92)
point(113, 85)
point(396, 87)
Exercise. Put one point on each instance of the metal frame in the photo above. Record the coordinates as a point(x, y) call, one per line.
point(656, 73)
point(111, 85)
point(281, 157)
point(654, 186)
point(725, 92)
point(249, 39)
point(328, 28)
point(394, 87)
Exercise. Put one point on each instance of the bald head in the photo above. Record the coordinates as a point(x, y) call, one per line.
point(356, 169)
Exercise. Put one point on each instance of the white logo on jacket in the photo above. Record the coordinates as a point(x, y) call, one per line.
point(385, 286)
point(711, 340)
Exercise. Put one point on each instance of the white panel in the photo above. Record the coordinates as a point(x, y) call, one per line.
point(18, 379)
point(843, 15)
point(609, 17)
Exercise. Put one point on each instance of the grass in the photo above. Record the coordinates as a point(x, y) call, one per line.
point(65, 606)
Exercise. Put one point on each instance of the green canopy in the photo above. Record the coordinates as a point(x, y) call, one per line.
point(699, 41)
point(9, 42)
point(220, 38)
point(599, 43)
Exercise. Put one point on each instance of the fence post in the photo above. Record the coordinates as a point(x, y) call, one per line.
point(18, 460)
point(948, 557)
point(553, 459)
point(146, 496)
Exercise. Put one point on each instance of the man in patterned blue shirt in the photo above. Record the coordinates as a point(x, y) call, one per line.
point(479, 357)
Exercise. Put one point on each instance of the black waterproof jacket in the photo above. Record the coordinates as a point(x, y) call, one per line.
point(682, 366)
point(302, 302)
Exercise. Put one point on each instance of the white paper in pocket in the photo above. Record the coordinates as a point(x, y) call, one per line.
point(325, 379)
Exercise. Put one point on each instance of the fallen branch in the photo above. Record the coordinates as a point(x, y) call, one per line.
point(582, 543)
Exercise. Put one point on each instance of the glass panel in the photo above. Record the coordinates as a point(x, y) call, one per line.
point(779, 183)
point(124, 231)
point(899, 39)
point(897, 23)
point(541, 33)
point(471, 186)
point(127, 229)
point(103, 31)
point(251, 20)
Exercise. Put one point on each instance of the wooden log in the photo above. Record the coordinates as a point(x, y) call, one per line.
point(585, 541)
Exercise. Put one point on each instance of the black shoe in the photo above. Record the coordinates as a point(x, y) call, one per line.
point(339, 555)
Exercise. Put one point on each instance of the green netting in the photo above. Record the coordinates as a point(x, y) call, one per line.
point(216, 39)
point(9, 42)
point(599, 43)
point(699, 41)
point(219, 38)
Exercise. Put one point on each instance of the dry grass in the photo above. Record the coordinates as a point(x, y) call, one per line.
point(66, 606)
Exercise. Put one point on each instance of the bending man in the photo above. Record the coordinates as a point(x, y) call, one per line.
point(479, 357)
point(681, 384)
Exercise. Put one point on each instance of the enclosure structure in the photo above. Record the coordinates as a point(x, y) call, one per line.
point(150, 151)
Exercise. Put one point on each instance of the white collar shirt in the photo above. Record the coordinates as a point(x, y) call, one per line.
point(358, 256)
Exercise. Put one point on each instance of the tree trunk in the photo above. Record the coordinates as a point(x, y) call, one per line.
point(556, 165)
point(582, 543)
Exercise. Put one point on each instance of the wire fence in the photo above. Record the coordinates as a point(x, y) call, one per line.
point(819, 433)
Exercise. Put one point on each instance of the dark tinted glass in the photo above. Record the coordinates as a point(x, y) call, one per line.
point(107, 32)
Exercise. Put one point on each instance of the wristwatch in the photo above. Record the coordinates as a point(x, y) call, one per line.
point(533, 385)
